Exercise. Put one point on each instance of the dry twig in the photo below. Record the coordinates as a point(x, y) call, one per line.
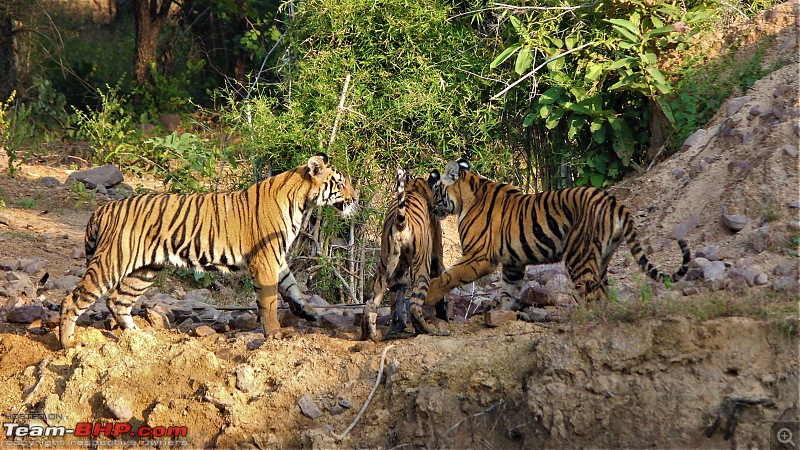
point(369, 397)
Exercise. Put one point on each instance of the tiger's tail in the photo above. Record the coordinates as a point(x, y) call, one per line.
point(400, 216)
point(638, 254)
point(92, 231)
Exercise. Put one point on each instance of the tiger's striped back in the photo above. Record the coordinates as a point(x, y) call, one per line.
point(498, 224)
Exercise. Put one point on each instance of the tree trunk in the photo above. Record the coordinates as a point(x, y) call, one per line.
point(149, 17)
point(8, 56)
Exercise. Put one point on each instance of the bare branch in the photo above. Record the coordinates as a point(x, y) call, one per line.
point(369, 398)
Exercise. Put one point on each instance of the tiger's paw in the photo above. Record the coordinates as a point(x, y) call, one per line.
point(306, 312)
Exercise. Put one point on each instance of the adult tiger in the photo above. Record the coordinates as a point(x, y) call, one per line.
point(128, 241)
point(498, 224)
point(411, 252)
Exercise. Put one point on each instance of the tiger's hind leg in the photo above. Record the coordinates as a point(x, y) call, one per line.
point(511, 287)
point(399, 310)
point(417, 300)
point(95, 283)
point(369, 328)
point(130, 288)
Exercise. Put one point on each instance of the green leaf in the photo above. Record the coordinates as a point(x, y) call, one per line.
point(529, 119)
point(597, 179)
point(557, 43)
point(517, 24)
point(664, 88)
point(626, 34)
point(625, 24)
point(660, 31)
point(657, 75)
point(649, 58)
point(556, 65)
point(551, 95)
point(574, 125)
point(570, 41)
point(600, 163)
point(623, 139)
point(593, 72)
point(505, 55)
point(545, 110)
point(656, 21)
point(624, 62)
point(524, 60)
point(554, 118)
point(625, 82)
point(578, 108)
point(599, 135)
point(665, 108)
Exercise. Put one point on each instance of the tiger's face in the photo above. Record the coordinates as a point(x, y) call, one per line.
point(447, 191)
point(333, 187)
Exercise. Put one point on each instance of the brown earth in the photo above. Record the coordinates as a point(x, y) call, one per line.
point(655, 382)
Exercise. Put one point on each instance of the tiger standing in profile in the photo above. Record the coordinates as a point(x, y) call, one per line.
point(129, 240)
point(411, 252)
point(499, 225)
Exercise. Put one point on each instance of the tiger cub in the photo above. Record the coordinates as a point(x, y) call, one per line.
point(411, 252)
point(498, 224)
point(129, 240)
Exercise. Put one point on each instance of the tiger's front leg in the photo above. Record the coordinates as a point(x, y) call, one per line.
point(287, 286)
point(466, 270)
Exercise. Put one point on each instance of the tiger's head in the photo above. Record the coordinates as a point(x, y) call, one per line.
point(333, 188)
point(448, 193)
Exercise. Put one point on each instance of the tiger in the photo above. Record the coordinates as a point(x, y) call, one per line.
point(499, 225)
point(411, 252)
point(128, 241)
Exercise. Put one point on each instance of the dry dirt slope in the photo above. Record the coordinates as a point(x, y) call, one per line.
point(658, 382)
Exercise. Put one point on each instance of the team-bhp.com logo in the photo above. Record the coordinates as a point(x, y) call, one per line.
point(85, 434)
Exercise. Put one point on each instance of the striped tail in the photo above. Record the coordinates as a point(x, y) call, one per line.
point(651, 271)
point(400, 217)
point(90, 240)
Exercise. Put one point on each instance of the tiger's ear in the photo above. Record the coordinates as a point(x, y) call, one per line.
point(317, 163)
point(464, 164)
point(451, 173)
point(434, 178)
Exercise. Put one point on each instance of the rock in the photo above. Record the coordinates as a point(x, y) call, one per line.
point(208, 315)
point(745, 274)
point(245, 378)
point(66, 283)
point(714, 271)
point(794, 204)
point(733, 105)
point(119, 409)
point(734, 222)
point(308, 407)
point(25, 314)
point(684, 227)
point(699, 262)
point(255, 344)
point(678, 173)
point(77, 252)
point(203, 330)
point(791, 151)
point(536, 315)
point(157, 319)
point(316, 300)
point(243, 321)
point(9, 265)
point(105, 176)
point(218, 396)
point(793, 225)
point(693, 139)
point(336, 410)
point(761, 279)
point(497, 317)
point(170, 122)
point(197, 295)
point(710, 253)
point(335, 321)
point(759, 239)
point(784, 268)
point(560, 283)
point(783, 283)
point(49, 182)
point(5, 220)
point(538, 296)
